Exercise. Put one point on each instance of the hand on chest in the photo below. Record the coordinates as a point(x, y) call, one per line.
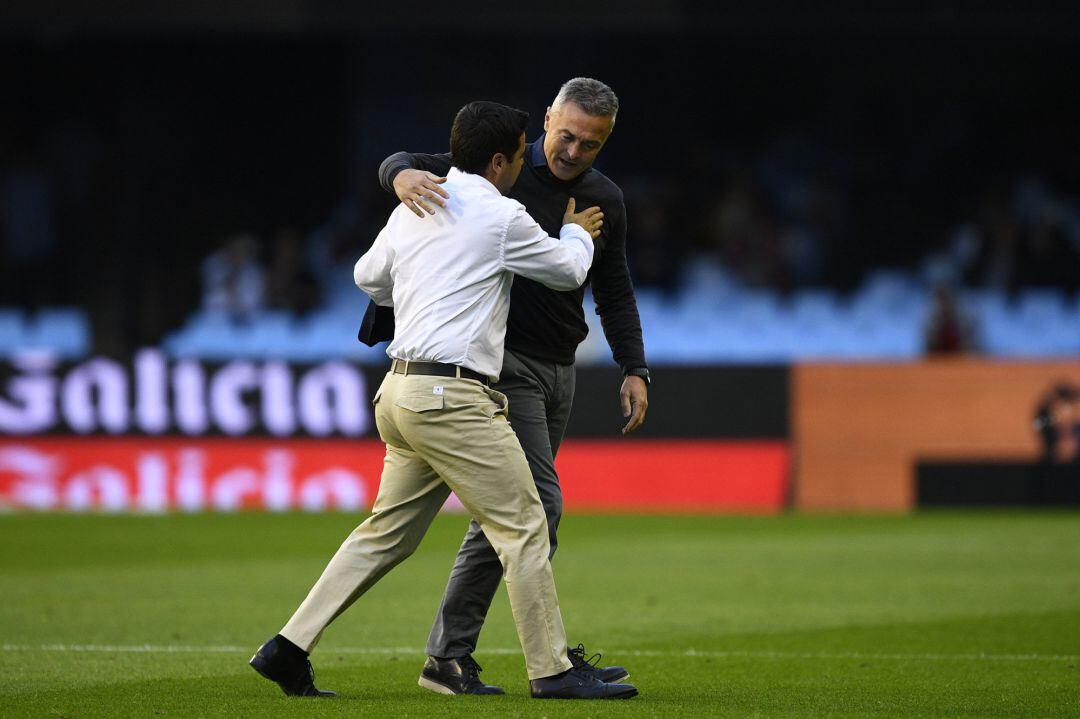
point(550, 218)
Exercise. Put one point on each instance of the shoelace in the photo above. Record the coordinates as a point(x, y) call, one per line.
point(577, 658)
point(470, 667)
point(311, 674)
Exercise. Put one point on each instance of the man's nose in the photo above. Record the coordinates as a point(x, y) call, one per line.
point(572, 151)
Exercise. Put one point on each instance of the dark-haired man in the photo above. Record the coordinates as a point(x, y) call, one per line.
point(448, 279)
point(544, 329)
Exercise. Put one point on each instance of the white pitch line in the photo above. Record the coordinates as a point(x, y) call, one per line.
point(689, 653)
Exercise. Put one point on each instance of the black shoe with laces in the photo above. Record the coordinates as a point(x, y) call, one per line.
point(281, 661)
point(579, 684)
point(609, 675)
point(455, 675)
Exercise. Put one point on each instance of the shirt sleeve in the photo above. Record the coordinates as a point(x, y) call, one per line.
point(436, 164)
point(561, 264)
point(615, 301)
point(372, 271)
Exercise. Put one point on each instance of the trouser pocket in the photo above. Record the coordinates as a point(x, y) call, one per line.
point(420, 402)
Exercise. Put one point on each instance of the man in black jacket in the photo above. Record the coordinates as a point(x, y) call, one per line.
point(543, 331)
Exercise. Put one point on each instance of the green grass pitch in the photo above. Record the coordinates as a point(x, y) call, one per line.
point(933, 615)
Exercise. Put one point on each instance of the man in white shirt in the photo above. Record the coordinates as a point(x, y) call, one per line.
point(448, 279)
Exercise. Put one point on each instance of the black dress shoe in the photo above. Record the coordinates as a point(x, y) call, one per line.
point(281, 661)
point(579, 684)
point(456, 675)
point(609, 675)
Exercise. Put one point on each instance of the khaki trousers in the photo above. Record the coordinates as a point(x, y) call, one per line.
point(445, 434)
point(541, 395)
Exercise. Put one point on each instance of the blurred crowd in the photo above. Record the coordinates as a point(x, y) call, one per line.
point(78, 227)
point(238, 281)
point(783, 228)
point(750, 234)
point(48, 186)
point(1027, 235)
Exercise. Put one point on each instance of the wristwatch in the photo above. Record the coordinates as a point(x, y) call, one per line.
point(642, 372)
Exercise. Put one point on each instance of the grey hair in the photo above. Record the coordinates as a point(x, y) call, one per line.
point(592, 96)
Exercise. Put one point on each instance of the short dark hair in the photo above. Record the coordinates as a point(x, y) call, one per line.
point(481, 130)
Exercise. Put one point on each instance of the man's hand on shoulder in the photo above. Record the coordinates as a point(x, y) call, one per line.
point(416, 188)
point(635, 401)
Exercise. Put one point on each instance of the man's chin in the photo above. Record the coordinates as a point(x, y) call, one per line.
point(567, 172)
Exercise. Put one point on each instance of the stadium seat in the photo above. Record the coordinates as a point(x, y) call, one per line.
point(331, 333)
point(13, 329)
point(273, 336)
point(64, 331)
point(1042, 306)
point(210, 334)
point(814, 307)
point(713, 319)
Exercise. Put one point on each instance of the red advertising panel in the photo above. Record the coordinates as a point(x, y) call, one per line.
point(178, 474)
point(674, 475)
point(155, 475)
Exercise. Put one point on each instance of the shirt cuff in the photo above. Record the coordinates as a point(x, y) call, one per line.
point(574, 230)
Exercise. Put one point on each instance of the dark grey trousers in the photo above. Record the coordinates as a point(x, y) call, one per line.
point(541, 394)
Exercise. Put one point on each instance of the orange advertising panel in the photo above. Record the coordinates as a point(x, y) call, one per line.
point(122, 474)
point(859, 430)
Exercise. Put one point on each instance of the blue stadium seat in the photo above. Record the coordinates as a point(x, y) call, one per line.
point(1042, 306)
point(331, 333)
point(64, 331)
point(273, 336)
point(713, 319)
point(13, 330)
point(895, 340)
point(209, 334)
point(649, 301)
point(814, 307)
point(341, 292)
point(1005, 335)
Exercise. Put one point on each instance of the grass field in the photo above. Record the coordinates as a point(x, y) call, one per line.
point(936, 615)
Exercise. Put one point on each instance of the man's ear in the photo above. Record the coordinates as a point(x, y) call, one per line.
point(547, 118)
point(498, 161)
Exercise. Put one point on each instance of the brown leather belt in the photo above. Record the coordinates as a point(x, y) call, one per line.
point(438, 369)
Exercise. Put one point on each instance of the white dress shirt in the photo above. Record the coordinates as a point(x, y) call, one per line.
point(448, 275)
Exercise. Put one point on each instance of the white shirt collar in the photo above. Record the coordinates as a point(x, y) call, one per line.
point(468, 177)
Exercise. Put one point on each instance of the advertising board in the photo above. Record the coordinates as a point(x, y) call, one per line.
point(155, 434)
